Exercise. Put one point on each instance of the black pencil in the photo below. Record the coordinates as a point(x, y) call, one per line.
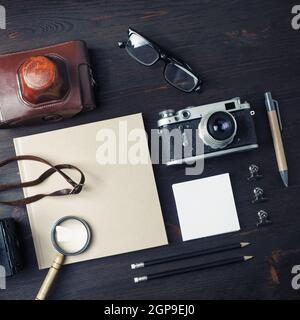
point(188, 255)
point(203, 266)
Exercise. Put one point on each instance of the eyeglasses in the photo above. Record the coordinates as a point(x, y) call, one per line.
point(176, 72)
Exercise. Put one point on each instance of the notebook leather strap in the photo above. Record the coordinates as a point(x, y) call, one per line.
point(76, 187)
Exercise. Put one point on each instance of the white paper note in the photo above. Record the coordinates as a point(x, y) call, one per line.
point(206, 207)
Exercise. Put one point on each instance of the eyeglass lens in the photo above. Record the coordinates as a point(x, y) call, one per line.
point(180, 77)
point(141, 50)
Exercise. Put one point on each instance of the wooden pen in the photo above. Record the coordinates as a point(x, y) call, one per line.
point(276, 127)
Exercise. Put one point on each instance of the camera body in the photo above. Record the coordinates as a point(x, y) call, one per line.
point(221, 128)
point(10, 253)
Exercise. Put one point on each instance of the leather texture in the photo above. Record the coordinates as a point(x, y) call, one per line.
point(76, 187)
point(76, 75)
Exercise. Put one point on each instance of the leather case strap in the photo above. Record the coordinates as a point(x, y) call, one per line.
point(76, 187)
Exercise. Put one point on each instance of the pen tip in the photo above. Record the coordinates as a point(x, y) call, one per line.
point(284, 177)
point(248, 257)
point(244, 244)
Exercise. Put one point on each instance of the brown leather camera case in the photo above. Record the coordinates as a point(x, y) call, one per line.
point(45, 85)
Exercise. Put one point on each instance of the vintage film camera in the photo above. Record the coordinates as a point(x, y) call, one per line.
point(10, 253)
point(222, 128)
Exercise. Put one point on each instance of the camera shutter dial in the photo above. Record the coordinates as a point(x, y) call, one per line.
point(217, 129)
point(166, 113)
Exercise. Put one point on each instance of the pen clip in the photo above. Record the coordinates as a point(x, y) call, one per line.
point(278, 114)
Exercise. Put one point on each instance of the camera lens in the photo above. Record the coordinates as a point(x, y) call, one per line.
point(217, 129)
point(221, 125)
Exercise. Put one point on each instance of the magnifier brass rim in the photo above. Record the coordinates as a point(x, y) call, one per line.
point(56, 245)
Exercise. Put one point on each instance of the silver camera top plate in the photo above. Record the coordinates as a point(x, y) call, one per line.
point(194, 112)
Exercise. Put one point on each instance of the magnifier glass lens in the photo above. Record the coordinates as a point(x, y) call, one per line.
point(71, 236)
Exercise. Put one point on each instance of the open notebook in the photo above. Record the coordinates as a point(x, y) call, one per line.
point(119, 201)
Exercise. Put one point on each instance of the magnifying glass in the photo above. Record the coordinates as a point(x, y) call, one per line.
point(70, 236)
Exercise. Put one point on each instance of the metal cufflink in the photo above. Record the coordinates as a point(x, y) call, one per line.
point(254, 173)
point(258, 195)
point(263, 218)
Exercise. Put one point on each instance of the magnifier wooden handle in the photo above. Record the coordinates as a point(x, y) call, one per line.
point(51, 275)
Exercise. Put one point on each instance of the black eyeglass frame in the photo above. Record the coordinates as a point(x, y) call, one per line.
point(164, 56)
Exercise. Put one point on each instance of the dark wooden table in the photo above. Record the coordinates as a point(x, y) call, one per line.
point(240, 48)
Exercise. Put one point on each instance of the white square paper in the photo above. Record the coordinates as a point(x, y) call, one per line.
point(206, 207)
